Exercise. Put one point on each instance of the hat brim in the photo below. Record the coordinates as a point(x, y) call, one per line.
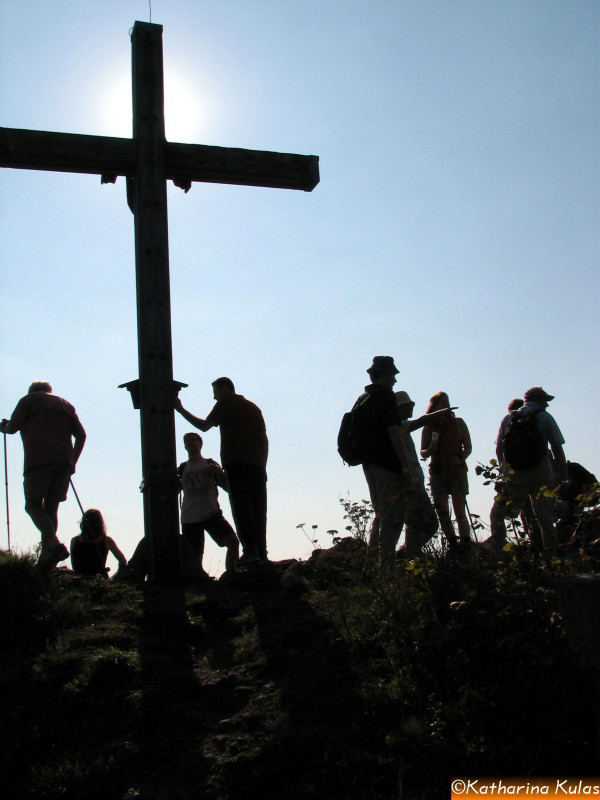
point(540, 396)
point(383, 371)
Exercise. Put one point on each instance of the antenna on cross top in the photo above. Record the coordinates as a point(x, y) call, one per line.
point(150, 9)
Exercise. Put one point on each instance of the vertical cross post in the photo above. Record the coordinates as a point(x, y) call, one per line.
point(155, 358)
point(147, 161)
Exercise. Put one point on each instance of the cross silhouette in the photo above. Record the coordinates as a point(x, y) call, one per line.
point(148, 161)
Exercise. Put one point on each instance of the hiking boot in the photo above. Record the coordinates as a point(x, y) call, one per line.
point(51, 556)
point(60, 553)
point(248, 563)
point(248, 558)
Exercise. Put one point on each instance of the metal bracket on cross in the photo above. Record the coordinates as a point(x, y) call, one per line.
point(133, 387)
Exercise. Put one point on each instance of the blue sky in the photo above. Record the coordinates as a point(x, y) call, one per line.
point(455, 227)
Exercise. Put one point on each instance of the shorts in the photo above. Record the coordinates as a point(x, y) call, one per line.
point(47, 481)
point(216, 526)
point(449, 483)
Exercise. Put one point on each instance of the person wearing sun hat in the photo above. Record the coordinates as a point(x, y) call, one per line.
point(396, 491)
point(421, 518)
point(525, 487)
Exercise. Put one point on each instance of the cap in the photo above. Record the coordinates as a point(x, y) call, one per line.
point(536, 392)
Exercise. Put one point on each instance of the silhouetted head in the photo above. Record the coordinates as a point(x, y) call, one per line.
point(40, 386)
point(405, 405)
point(383, 371)
point(222, 387)
point(192, 443)
point(537, 395)
point(515, 404)
point(92, 525)
point(437, 401)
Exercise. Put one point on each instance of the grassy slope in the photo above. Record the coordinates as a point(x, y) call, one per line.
point(298, 681)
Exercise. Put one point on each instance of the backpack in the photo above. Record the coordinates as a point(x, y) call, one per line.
point(351, 434)
point(523, 444)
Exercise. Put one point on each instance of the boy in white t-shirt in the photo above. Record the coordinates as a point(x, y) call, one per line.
point(200, 510)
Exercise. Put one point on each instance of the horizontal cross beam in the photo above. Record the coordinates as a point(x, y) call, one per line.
point(200, 162)
point(66, 152)
point(184, 163)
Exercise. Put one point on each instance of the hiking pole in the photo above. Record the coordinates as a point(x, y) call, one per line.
point(76, 495)
point(6, 491)
point(471, 521)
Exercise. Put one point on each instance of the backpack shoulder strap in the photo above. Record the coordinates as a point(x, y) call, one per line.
point(365, 396)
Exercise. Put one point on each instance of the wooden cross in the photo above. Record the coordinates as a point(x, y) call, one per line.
point(148, 161)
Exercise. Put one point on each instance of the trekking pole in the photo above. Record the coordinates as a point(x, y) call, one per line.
point(76, 496)
point(6, 491)
point(471, 521)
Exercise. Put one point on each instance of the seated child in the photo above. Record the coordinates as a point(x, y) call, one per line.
point(90, 549)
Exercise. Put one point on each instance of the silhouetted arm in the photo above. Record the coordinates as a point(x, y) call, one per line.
point(17, 418)
point(560, 461)
point(110, 543)
point(426, 442)
point(413, 424)
point(467, 447)
point(499, 441)
point(219, 475)
point(499, 451)
point(80, 437)
point(197, 422)
point(396, 435)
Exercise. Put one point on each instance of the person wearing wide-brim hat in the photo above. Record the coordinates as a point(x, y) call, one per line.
point(383, 365)
point(524, 485)
point(397, 495)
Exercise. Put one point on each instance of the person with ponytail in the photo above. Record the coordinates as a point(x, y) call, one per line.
point(447, 443)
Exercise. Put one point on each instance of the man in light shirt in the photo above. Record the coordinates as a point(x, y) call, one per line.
point(200, 510)
point(524, 487)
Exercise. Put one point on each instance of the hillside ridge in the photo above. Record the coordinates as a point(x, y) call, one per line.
point(299, 679)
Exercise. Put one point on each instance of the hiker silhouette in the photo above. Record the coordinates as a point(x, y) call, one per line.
point(244, 451)
point(528, 469)
point(447, 443)
point(53, 438)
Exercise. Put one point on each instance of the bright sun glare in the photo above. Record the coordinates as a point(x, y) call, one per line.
point(183, 122)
